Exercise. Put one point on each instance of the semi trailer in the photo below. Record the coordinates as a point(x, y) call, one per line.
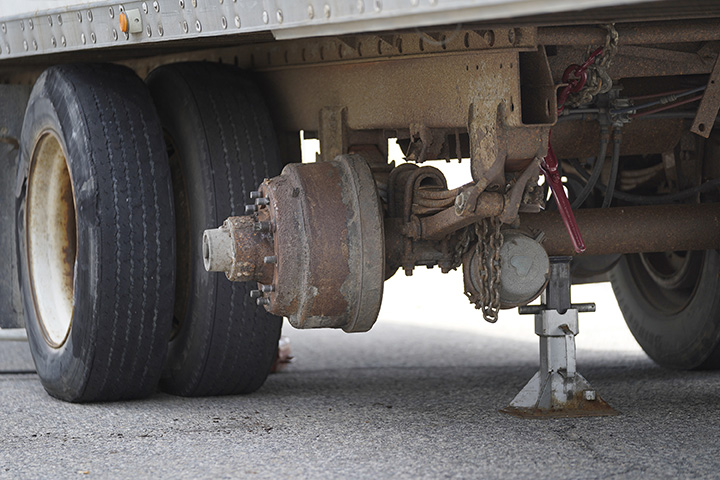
point(158, 222)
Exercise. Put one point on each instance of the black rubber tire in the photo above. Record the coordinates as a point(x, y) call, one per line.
point(677, 327)
point(123, 278)
point(222, 145)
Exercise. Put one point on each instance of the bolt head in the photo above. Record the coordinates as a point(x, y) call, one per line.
point(255, 294)
point(263, 301)
point(590, 395)
point(250, 209)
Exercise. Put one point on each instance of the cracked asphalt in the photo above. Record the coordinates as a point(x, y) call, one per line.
point(417, 397)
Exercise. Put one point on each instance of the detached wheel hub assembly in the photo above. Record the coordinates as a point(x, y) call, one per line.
point(313, 242)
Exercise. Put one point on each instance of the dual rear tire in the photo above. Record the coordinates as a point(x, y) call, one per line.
point(97, 231)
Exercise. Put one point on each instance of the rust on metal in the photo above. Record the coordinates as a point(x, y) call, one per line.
point(578, 406)
point(581, 138)
point(333, 134)
point(709, 105)
point(672, 31)
point(314, 245)
point(438, 226)
point(615, 230)
point(251, 246)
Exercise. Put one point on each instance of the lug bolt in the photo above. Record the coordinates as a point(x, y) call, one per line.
point(262, 201)
point(263, 301)
point(255, 294)
point(270, 259)
point(255, 194)
point(250, 209)
point(262, 226)
point(268, 288)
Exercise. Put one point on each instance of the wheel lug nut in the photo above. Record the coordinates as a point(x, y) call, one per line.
point(267, 288)
point(262, 201)
point(255, 194)
point(255, 294)
point(263, 301)
point(270, 259)
point(250, 209)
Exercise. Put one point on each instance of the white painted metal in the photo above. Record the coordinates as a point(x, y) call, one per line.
point(51, 238)
point(36, 27)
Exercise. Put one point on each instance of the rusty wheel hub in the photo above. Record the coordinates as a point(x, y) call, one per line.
point(313, 242)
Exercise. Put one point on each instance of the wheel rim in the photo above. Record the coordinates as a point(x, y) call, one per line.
point(668, 280)
point(51, 241)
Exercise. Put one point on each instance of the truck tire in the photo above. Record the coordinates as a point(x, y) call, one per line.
point(95, 234)
point(671, 303)
point(221, 146)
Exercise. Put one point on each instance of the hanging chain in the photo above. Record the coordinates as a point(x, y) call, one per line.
point(487, 250)
point(598, 79)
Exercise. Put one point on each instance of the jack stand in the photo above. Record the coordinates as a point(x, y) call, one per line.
point(557, 390)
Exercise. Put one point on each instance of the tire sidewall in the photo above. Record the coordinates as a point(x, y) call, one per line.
point(683, 339)
point(64, 371)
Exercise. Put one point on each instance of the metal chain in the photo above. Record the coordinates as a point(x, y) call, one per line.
point(461, 247)
point(487, 250)
point(598, 79)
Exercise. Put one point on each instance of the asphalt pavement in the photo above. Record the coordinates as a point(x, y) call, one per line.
point(417, 397)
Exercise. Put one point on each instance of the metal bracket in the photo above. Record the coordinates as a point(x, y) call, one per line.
point(709, 105)
point(333, 133)
point(557, 389)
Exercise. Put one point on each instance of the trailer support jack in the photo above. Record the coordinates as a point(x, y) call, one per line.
point(558, 390)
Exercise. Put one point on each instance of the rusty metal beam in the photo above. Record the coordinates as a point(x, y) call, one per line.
point(632, 229)
point(675, 31)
